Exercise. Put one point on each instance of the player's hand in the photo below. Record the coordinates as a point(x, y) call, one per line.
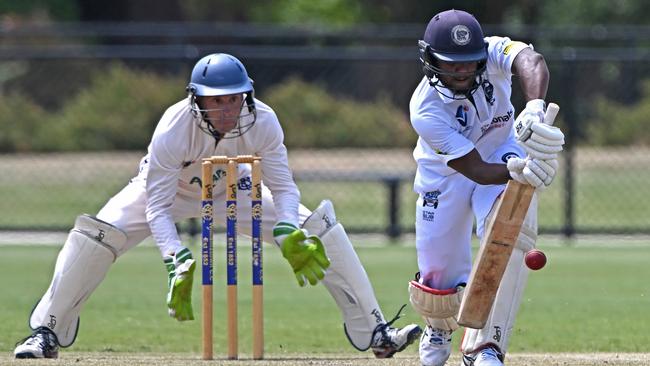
point(305, 253)
point(544, 143)
point(532, 114)
point(538, 173)
point(180, 268)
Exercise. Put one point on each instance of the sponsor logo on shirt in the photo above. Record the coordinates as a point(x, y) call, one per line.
point(216, 176)
point(509, 45)
point(498, 121)
point(428, 215)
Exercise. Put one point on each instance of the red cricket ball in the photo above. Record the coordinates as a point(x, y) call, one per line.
point(535, 259)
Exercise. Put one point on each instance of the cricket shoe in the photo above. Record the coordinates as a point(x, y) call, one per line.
point(40, 344)
point(387, 340)
point(435, 346)
point(488, 356)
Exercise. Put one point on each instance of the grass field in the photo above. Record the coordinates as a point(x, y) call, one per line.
point(588, 306)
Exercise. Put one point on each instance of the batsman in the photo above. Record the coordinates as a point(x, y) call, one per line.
point(219, 116)
point(470, 145)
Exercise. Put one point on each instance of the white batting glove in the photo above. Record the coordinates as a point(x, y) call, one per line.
point(532, 114)
point(535, 172)
point(544, 142)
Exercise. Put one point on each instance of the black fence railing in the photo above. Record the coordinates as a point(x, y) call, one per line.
point(601, 188)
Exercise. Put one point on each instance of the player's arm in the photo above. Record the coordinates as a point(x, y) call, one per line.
point(533, 172)
point(163, 173)
point(475, 168)
point(304, 252)
point(530, 67)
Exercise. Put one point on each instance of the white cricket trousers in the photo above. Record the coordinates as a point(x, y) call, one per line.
point(444, 219)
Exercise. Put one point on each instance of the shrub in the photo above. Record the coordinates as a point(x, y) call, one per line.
point(21, 124)
point(618, 124)
point(312, 118)
point(118, 111)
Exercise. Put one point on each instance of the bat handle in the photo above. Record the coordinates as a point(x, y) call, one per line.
point(551, 112)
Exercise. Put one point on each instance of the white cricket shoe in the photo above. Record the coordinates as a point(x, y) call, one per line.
point(40, 344)
point(435, 346)
point(387, 340)
point(486, 357)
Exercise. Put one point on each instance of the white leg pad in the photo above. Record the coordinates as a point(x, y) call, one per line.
point(83, 262)
point(500, 323)
point(437, 307)
point(346, 279)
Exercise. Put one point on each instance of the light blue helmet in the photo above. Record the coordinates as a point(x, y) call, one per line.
point(222, 74)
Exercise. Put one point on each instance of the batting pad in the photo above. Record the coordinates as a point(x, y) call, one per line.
point(498, 327)
point(346, 279)
point(83, 262)
point(437, 307)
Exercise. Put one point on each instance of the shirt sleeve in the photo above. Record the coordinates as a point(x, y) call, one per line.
point(501, 54)
point(443, 140)
point(276, 174)
point(162, 183)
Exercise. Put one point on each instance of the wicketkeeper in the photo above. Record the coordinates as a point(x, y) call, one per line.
point(220, 116)
point(467, 149)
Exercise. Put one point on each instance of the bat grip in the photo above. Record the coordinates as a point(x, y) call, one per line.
point(551, 112)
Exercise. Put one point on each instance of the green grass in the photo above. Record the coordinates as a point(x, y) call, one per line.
point(587, 299)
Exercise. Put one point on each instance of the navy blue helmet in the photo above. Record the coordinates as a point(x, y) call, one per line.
point(452, 36)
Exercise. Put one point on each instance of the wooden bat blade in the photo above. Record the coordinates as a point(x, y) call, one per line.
point(498, 242)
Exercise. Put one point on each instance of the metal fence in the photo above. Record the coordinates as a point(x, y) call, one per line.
point(601, 189)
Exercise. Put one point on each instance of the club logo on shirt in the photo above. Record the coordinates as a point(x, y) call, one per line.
point(488, 89)
point(430, 199)
point(245, 183)
point(509, 155)
point(461, 115)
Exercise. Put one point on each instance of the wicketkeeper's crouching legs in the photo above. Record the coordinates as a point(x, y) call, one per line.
point(498, 328)
point(347, 281)
point(90, 249)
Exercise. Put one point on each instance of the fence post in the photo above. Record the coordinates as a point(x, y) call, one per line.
point(394, 229)
point(570, 117)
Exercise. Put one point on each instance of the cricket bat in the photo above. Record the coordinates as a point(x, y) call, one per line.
point(494, 253)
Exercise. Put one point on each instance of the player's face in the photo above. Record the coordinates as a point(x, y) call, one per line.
point(458, 76)
point(222, 111)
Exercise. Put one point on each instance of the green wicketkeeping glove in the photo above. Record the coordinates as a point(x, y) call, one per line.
point(305, 253)
point(180, 267)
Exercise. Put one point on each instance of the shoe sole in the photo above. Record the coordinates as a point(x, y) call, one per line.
point(410, 338)
point(25, 355)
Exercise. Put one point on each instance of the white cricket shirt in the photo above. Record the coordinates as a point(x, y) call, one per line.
point(172, 166)
point(449, 129)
